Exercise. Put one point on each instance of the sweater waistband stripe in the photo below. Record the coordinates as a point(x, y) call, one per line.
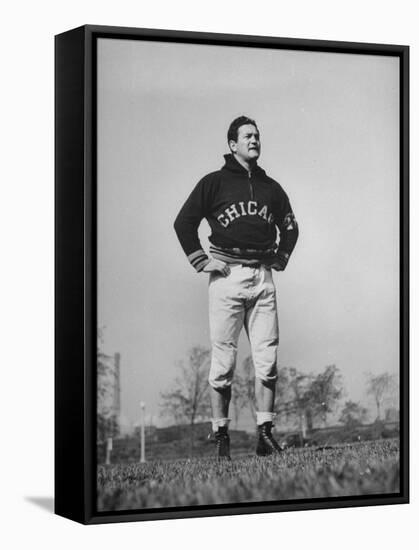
point(247, 253)
point(243, 256)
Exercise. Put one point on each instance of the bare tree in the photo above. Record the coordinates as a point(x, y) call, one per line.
point(325, 390)
point(380, 387)
point(188, 400)
point(106, 421)
point(243, 389)
point(293, 398)
point(353, 414)
point(304, 397)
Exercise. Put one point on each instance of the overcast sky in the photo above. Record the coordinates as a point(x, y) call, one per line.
point(329, 131)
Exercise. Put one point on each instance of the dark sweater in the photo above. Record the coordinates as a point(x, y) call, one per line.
point(249, 214)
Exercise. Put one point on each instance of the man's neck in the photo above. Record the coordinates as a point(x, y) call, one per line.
point(248, 165)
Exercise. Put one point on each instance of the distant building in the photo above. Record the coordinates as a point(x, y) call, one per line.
point(150, 432)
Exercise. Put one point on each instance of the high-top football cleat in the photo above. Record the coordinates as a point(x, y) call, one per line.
point(222, 441)
point(266, 443)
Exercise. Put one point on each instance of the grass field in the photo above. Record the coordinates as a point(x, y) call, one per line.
point(352, 469)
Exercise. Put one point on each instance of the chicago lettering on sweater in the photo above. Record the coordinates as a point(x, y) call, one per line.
point(249, 214)
point(244, 209)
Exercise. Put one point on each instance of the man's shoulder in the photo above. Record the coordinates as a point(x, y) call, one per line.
point(271, 181)
point(211, 178)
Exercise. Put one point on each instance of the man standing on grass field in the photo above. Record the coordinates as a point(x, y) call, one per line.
point(253, 231)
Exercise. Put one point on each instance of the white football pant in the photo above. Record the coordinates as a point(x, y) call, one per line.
point(246, 297)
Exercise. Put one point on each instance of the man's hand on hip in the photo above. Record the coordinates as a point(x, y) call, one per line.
point(280, 262)
point(218, 266)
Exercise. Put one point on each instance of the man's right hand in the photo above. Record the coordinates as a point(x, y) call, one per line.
point(218, 266)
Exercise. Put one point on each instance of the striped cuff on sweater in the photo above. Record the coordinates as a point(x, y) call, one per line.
point(198, 259)
point(281, 258)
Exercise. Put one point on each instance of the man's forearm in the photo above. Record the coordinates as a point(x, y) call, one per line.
point(198, 260)
point(187, 233)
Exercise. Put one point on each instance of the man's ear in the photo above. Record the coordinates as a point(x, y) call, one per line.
point(233, 145)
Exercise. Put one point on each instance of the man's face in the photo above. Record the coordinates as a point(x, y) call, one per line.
point(247, 146)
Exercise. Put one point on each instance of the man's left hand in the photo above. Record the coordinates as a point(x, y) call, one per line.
point(277, 266)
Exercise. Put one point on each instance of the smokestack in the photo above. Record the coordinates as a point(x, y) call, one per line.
point(117, 392)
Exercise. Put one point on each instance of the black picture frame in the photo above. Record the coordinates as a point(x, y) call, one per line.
point(75, 271)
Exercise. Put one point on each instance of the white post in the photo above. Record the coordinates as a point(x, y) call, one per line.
point(108, 450)
point(142, 405)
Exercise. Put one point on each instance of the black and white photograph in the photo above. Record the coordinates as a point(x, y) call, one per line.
point(209, 275)
point(248, 265)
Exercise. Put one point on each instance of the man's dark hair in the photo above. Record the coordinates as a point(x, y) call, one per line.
point(233, 130)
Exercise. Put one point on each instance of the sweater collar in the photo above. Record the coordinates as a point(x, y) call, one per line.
point(234, 166)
